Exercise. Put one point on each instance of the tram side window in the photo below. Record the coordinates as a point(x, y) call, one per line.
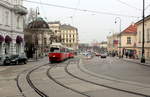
point(62, 50)
point(54, 49)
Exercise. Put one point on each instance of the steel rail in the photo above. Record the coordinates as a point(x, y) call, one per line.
point(63, 85)
point(42, 94)
point(102, 85)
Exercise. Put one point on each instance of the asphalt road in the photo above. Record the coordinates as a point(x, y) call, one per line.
point(119, 69)
point(112, 67)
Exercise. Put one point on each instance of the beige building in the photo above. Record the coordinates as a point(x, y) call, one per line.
point(103, 46)
point(68, 34)
point(147, 37)
point(55, 27)
point(128, 40)
point(113, 43)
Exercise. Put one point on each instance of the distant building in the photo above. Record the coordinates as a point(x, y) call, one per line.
point(147, 37)
point(113, 43)
point(66, 34)
point(11, 27)
point(85, 47)
point(103, 46)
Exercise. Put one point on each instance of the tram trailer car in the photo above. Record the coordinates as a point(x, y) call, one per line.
point(71, 53)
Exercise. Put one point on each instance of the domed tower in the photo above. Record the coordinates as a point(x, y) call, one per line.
point(37, 35)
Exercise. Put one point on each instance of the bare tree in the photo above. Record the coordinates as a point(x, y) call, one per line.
point(30, 16)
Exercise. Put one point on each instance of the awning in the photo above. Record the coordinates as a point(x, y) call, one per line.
point(8, 39)
point(19, 39)
point(1, 38)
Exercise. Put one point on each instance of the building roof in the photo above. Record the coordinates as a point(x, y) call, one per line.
point(140, 21)
point(103, 42)
point(37, 24)
point(67, 27)
point(132, 29)
point(55, 22)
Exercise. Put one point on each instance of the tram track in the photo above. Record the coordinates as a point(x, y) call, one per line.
point(42, 94)
point(29, 81)
point(102, 85)
point(65, 67)
point(63, 85)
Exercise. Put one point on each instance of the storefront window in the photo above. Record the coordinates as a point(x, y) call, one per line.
point(7, 48)
point(128, 40)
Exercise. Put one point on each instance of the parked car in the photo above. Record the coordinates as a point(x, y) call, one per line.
point(103, 55)
point(4, 60)
point(17, 59)
point(97, 54)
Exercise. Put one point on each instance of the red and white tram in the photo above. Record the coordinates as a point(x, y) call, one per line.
point(59, 53)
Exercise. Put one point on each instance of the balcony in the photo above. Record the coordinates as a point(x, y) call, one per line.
point(19, 9)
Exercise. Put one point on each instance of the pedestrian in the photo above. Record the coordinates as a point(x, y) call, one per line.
point(126, 54)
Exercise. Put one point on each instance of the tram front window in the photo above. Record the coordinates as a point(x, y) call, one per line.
point(54, 49)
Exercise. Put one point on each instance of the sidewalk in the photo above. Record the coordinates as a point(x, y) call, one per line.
point(137, 61)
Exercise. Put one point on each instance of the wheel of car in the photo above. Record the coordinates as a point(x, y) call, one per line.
point(6, 62)
point(25, 62)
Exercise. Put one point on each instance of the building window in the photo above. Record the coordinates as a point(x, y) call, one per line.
point(18, 23)
point(1, 16)
point(148, 35)
point(45, 41)
point(139, 36)
point(6, 18)
point(128, 40)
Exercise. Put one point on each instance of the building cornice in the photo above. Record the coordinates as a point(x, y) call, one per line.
point(10, 30)
point(6, 4)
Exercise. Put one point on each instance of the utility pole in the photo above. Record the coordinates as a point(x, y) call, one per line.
point(119, 35)
point(143, 40)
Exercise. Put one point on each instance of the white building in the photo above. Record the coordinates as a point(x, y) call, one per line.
point(11, 26)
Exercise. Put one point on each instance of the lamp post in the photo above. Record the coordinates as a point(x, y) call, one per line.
point(36, 36)
point(119, 35)
point(143, 57)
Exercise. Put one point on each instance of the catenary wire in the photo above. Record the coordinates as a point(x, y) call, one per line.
point(83, 10)
point(129, 5)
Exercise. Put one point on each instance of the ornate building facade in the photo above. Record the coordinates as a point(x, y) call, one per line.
point(11, 27)
point(37, 38)
point(66, 34)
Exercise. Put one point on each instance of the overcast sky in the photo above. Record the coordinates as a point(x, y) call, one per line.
point(92, 26)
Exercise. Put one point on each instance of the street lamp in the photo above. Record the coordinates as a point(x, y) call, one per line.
point(119, 35)
point(36, 35)
point(143, 57)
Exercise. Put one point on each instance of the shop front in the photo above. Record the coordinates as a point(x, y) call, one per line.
point(1, 44)
point(19, 41)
